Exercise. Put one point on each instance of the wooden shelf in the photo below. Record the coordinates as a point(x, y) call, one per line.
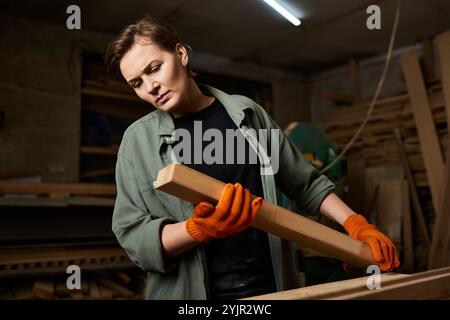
point(59, 190)
point(56, 202)
point(99, 150)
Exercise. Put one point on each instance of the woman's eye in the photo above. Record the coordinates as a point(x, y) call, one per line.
point(137, 84)
point(156, 68)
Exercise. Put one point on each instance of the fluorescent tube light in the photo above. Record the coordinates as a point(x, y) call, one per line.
point(283, 11)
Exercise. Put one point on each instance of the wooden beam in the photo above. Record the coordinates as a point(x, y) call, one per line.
point(107, 151)
point(326, 290)
point(94, 291)
point(426, 129)
point(412, 187)
point(193, 186)
point(116, 288)
point(408, 243)
point(390, 208)
point(434, 284)
point(443, 45)
point(43, 289)
point(440, 248)
point(79, 189)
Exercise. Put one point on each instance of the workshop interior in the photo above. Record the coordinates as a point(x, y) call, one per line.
point(361, 88)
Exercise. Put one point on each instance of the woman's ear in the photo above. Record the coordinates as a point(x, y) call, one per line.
point(182, 54)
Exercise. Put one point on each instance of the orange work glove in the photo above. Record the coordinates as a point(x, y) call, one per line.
point(234, 213)
point(383, 249)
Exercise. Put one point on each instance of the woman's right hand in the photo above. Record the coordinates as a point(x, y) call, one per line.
point(234, 212)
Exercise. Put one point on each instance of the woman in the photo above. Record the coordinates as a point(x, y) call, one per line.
point(206, 251)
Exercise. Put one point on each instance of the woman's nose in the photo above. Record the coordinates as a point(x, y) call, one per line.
point(151, 86)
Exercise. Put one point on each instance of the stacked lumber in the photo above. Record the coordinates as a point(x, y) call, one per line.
point(121, 284)
point(411, 129)
point(377, 145)
point(440, 248)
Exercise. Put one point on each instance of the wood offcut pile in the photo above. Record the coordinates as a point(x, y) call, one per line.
point(399, 163)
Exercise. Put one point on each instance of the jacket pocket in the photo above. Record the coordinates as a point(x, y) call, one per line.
point(159, 203)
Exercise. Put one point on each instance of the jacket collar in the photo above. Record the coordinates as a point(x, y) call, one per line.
point(235, 105)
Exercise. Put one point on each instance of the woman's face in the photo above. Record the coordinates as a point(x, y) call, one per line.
point(156, 75)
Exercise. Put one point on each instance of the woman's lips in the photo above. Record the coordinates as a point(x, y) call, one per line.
point(163, 99)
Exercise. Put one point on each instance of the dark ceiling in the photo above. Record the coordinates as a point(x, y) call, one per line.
point(332, 32)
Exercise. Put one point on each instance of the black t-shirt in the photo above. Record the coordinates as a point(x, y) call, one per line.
point(240, 265)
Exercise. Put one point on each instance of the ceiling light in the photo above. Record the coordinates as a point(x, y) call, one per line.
point(283, 11)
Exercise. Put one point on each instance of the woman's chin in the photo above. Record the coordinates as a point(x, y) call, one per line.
point(168, 107)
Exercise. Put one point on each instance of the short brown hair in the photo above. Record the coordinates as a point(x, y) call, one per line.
point(150, 28)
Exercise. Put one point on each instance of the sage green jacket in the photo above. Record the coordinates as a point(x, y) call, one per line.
point(140, 211)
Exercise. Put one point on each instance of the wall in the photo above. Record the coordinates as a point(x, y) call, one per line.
point(289, 89)
point(39, 89)
point(339, 79)
point(40, 63)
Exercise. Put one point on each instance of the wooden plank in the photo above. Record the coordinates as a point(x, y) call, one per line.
point(327, 289)
point(390, 201)
point(60, 202)
point(443, 45)
point(428, 285)
point(111, 151)
point(414, 196)
point(77, 296)
point(79, 189)
point(43, 289)
point(105, 293)
point(408, 264)
point(440, 248)
point(123, 278)
point(434, 284)
point(62, 289)
point(376, 174)
point(114, 287)
point(193, 186)
point(420, 105)
point(94, 290)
